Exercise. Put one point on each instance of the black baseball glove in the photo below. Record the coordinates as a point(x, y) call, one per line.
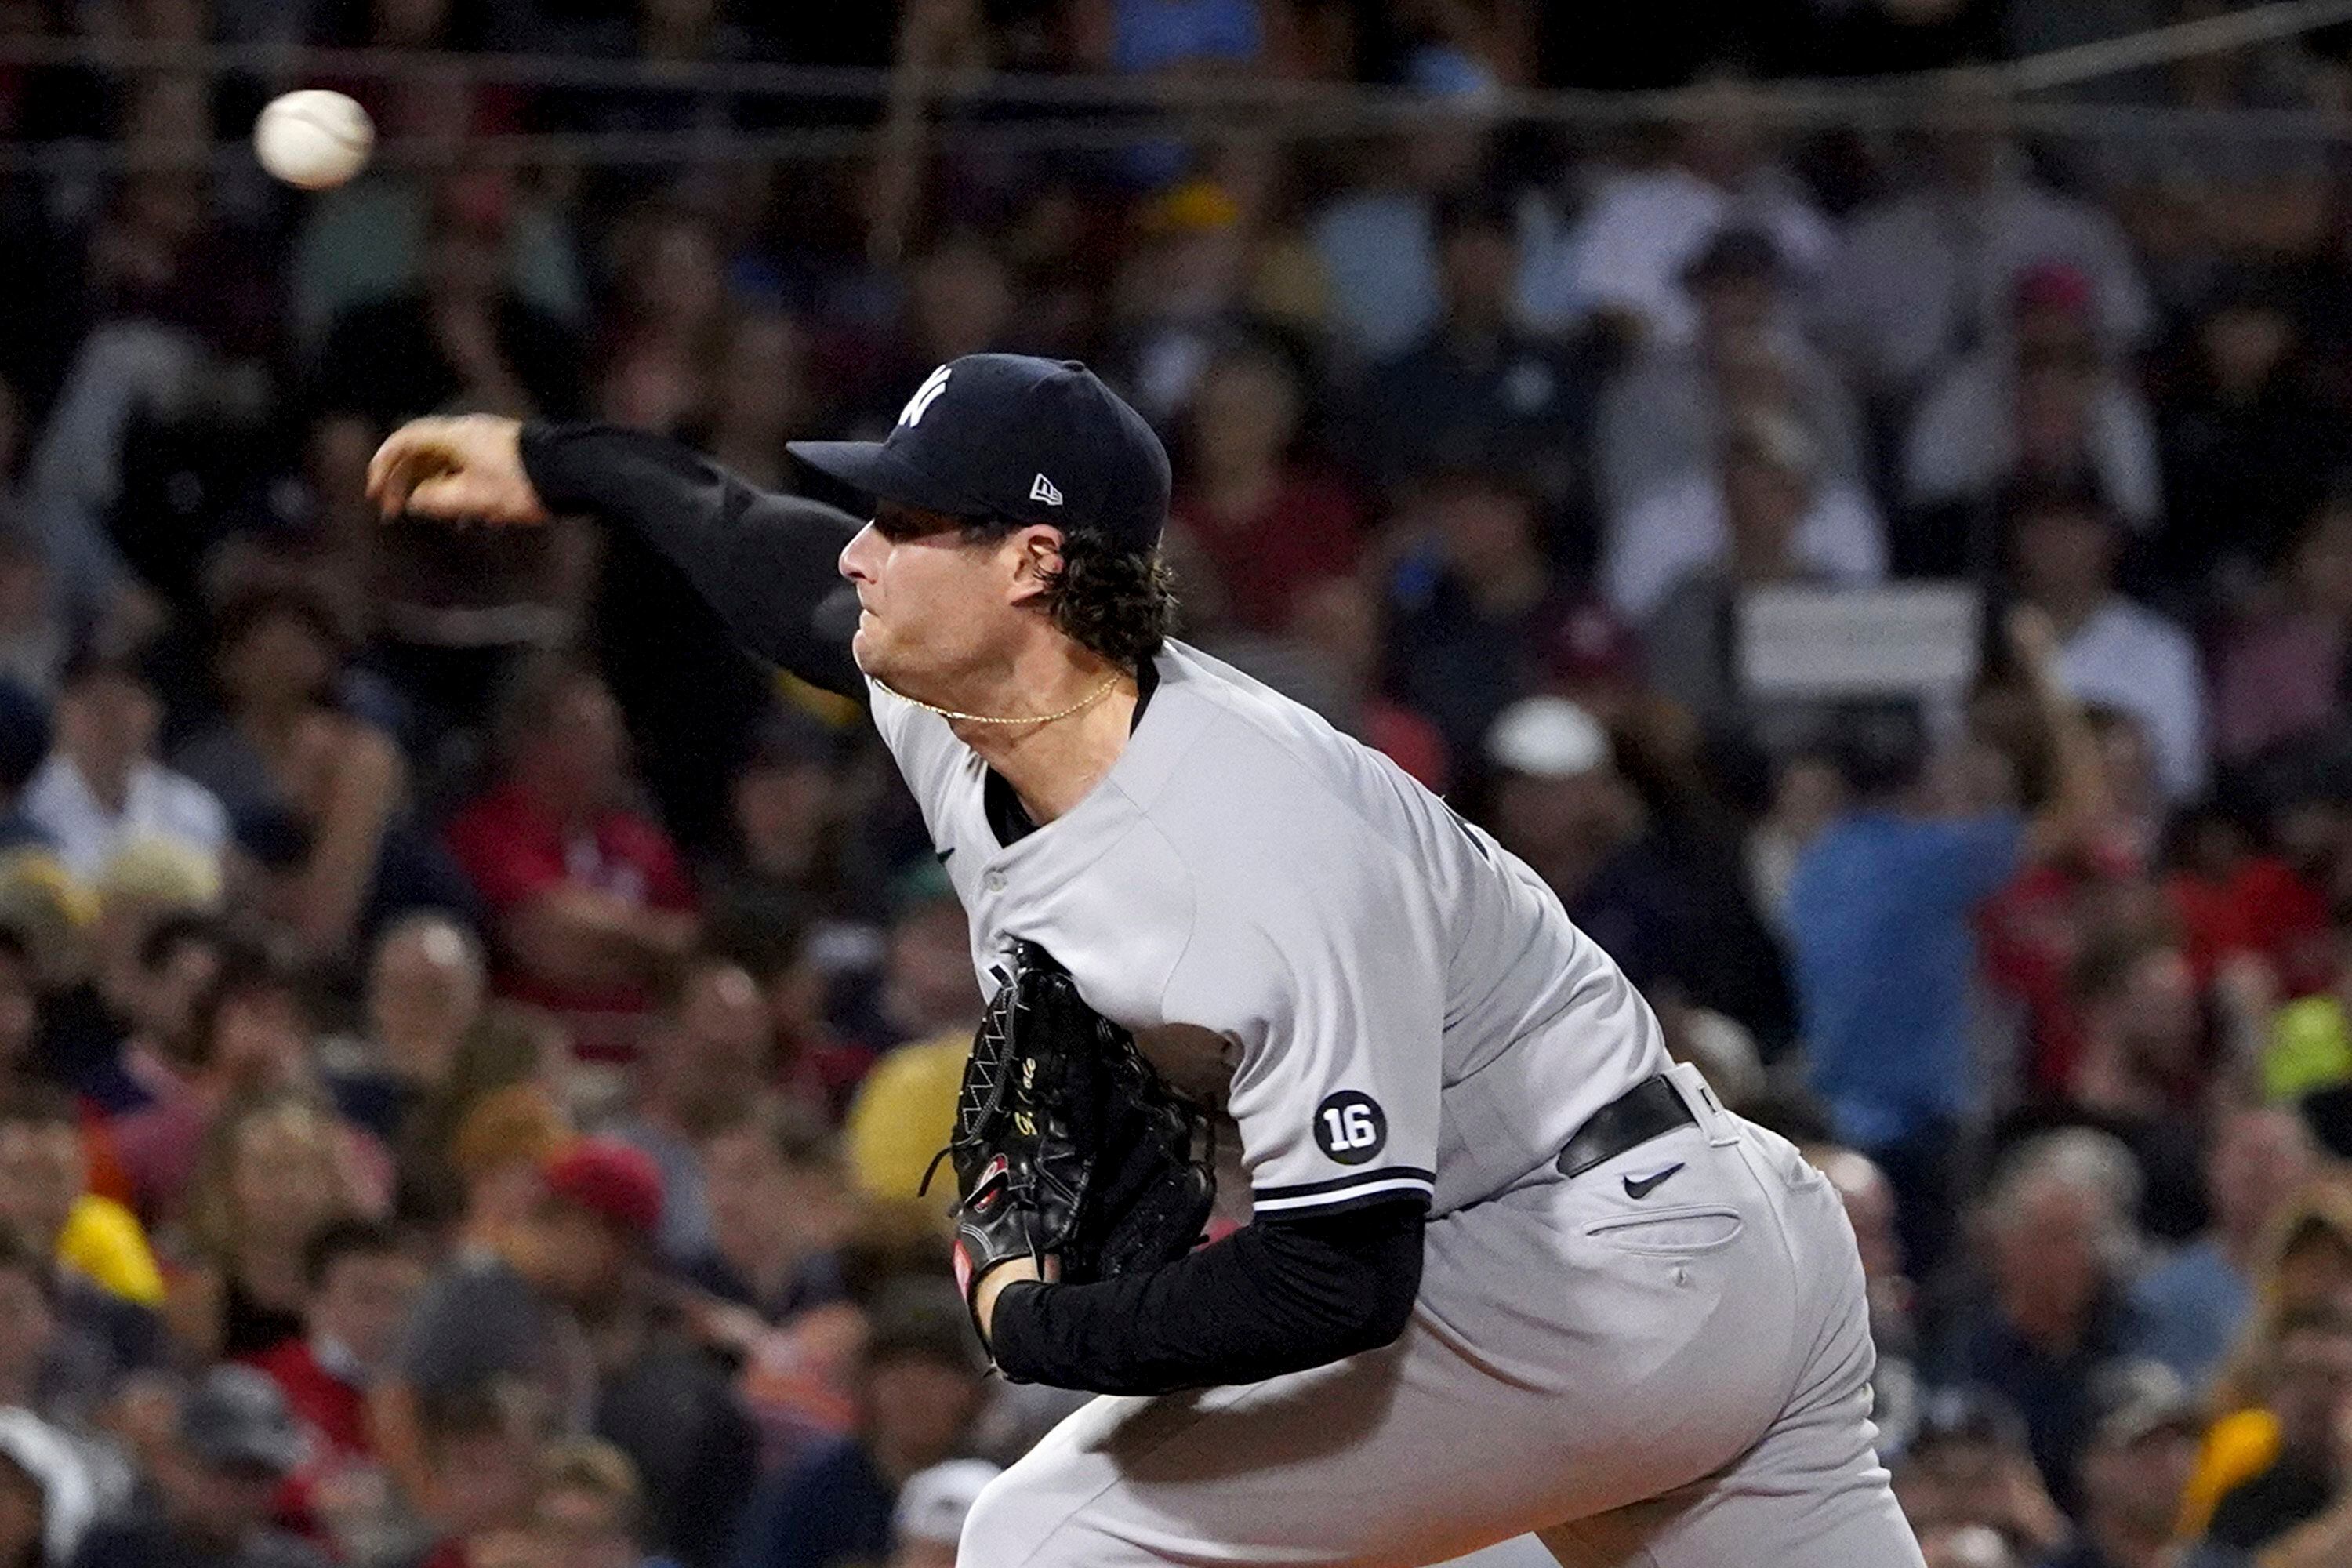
point(1069, 1148)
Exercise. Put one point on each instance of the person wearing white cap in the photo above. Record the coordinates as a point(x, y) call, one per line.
point(1667, 902)
point(931, 1513)
point(1560, 804)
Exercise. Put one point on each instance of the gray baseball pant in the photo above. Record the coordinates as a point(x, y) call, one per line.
point(1679, 1380)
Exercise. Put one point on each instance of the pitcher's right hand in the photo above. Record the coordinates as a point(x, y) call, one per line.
point(467, 467)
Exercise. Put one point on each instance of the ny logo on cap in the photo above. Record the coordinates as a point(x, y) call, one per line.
point(1042, 489)
point(925, 395)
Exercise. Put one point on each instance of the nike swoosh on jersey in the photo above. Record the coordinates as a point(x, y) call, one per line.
point(1644, 1186)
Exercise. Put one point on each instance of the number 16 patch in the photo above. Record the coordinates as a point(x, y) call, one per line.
point(1351, 1127)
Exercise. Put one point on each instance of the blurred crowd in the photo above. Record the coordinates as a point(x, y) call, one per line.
point(470, 1042)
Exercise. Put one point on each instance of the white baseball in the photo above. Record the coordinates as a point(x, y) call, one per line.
point(313, 139)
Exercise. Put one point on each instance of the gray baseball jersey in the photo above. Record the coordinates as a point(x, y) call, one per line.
point(1402, 1004)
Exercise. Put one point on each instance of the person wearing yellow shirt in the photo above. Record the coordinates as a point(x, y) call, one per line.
point(44, 1197)
point(904, 1114)
point(905, 1110)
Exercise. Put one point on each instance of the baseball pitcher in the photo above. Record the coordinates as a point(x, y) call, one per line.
point(1509, 1270)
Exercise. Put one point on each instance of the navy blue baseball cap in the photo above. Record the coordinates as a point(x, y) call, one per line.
point(1009, 435)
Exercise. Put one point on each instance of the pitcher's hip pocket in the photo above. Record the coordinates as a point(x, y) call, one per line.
point(1678, 1233)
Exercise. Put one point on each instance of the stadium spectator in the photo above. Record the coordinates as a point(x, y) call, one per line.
point(1926, 276)
point(1469, 603)
point(928, 987)
point(424, 997)
point(563, 1311)
point(1265, 526)
point(478, 1450)
point(1654, 210)
point(1182, 292)
point(2139, 1068)
point(2311, 1401)
point(316, 793)
point(958, 300)
point(1771, 522)
point(1768, 477)
point(47, 1369)
point(366, 241)
point(47, 1154)
point(1967, 1467)
point(1478, 383)
point(2278, 675)
point(1662, 415)
point(2143, 1444)
point(33, 632)
point(174, 380)
point(47, 1498)
point(708, 1058)
point(249, 1035)
point(920, 1387)
point(1881, 944)
point(780, 1208)
point(587, 899)
point(112, 1035)
point(460, 337)
point(2306, 1266)
point(666, 331)
point(359, 1280)
point(2036, 929)
point(271, 1177)
point(211, 1484)
point(587, 1509)
point(2057, 1236)
point(1895, 1388)
point(508, 1313)
point(2250, 435)
point(2041, 402)
point(2189, 209)
point(2063, 547)
point(1560, 804)
point(905, 1108)
point(101, 789)
point(1376, 240)
point(1339, 623)
point(761, 396)
point(500, 1144)
point(787, 864)
point(2196, 1302)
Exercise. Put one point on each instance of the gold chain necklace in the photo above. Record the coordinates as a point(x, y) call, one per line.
point(1088, 701)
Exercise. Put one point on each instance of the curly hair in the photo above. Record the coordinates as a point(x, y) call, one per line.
point(1116, 601)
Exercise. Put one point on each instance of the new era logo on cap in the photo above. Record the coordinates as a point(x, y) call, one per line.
point(1042, 489)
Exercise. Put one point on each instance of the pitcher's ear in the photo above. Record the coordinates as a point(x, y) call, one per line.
point(1037, 560)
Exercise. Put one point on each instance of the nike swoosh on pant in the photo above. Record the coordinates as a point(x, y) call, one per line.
point(1645, 1186)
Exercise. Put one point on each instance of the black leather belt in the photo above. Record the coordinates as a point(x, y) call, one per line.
point(1651, 1108)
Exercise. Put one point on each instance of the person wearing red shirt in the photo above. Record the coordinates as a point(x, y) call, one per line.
point(1266, 526)
point(362, 1281)
point(587, 898)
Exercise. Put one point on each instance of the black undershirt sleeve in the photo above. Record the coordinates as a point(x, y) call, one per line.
point(1277, 1296)
point(767, 564)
